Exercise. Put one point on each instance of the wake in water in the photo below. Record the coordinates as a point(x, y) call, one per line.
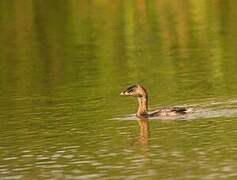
point(204, 111)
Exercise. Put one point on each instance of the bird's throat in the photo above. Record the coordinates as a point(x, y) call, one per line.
point(142, 106)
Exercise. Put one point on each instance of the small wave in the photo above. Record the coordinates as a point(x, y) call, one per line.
point(213, 109)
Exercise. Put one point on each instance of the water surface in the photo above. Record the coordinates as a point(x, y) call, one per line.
point(64, 63)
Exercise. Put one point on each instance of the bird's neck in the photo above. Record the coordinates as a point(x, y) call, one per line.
point(142, 106)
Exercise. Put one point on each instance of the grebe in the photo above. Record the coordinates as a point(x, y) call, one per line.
point(140, 92)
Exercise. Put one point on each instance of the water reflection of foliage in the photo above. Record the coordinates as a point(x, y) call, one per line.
point(77, 40)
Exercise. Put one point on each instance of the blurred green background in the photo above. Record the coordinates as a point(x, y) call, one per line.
point(64, 63)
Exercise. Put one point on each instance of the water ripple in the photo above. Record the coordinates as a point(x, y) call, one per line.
point(219, 109)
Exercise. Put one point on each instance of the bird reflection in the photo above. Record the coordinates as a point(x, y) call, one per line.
point(144, 131)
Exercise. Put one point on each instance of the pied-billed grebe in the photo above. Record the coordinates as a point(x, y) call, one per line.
point(141, 94)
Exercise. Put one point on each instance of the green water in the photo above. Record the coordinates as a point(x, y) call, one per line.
point(64, 63)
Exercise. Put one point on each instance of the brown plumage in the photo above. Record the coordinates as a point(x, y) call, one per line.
point(140, 92)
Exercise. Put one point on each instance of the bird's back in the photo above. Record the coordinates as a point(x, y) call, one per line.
point(169, 111)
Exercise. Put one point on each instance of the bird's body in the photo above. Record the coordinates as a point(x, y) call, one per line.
point(142, 96)
point(169, 111)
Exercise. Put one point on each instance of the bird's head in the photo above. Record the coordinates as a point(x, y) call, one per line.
point(135, 91)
